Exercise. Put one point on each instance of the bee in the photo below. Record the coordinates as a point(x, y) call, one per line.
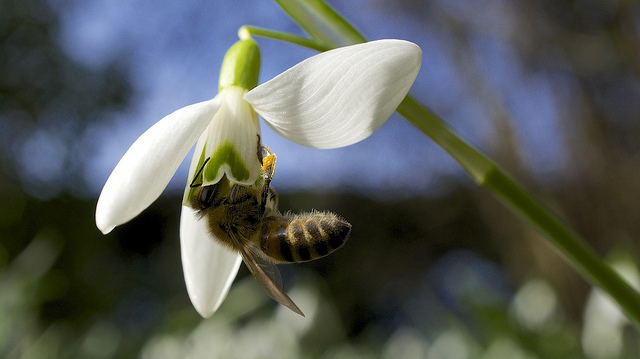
point(246, 219)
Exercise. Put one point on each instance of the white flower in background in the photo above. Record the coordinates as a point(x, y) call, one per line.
point(603, 332)
point(330, 100)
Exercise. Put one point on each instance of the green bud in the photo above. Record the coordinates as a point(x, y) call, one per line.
point(241, 65)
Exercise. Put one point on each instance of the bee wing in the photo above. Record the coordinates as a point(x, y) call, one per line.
point(209, 269)
point(265, 281)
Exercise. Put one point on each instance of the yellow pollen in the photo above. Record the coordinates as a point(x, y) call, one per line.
point(268, 161)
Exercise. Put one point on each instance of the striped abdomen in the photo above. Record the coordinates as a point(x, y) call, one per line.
point(302, 237)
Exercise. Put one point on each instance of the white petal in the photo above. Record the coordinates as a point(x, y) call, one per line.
point(145, 170)
point(341, 96)
point(209, 269)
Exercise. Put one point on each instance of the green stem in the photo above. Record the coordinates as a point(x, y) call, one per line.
point(322, 22)
point(486, 173)
point(284, 36)
point(471, 160)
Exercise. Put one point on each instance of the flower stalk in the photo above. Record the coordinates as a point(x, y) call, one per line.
point(284, 36)
point(325, 26)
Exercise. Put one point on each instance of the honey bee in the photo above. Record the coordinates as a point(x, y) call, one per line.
point(246, 219)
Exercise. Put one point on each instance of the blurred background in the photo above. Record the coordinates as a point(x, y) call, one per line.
point(435, 266)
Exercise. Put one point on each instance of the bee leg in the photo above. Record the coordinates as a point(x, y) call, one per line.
point(198, 173)
point(259, 151)
point(263, 201)
point(268, 160)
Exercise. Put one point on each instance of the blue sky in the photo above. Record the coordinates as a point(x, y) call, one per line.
point(175, 49)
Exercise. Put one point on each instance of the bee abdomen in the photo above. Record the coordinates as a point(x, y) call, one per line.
point(303, 237)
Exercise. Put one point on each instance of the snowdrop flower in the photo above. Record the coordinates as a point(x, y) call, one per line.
point(330, 100)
